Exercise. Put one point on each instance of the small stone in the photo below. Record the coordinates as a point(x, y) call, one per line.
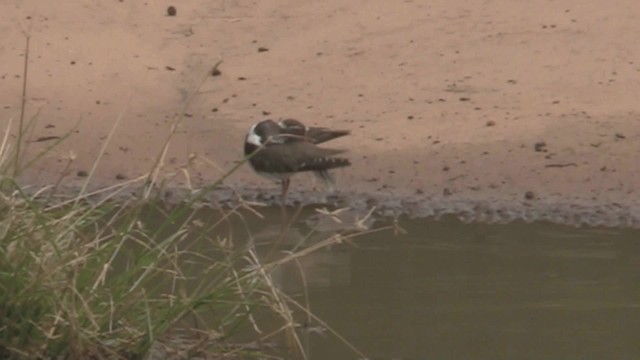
point(216, 72)
point(170, 68)
point(171, 11)
point(262, 49)
point(82, 173)
point(491, 123)
point(620, 136)
point(540, 146)
point(465, 99)
point(529, 195)
point(120, 176)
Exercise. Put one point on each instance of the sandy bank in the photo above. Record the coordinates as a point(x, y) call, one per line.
point(479, 102)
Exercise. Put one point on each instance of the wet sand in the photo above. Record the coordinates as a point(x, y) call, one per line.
point(484, 104)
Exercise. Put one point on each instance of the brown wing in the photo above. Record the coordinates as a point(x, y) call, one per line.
point(295, 157)
point(294, 130)
point(319, 134)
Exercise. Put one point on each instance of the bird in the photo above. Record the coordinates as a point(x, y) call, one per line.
point(279, 150)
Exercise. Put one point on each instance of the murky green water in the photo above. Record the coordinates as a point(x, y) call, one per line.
point(447, 290)
point(453, 291)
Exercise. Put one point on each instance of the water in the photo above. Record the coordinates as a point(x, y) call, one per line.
point(448, 290)
point(452, 291)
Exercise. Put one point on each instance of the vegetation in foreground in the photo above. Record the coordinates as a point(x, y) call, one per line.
point(113, 280)
point(97, 279)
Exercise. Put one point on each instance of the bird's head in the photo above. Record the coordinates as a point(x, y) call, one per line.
point(260, 133)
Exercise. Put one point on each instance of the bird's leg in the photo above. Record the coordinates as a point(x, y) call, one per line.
point(285, 188)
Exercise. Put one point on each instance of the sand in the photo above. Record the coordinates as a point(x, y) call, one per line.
point(484, 102)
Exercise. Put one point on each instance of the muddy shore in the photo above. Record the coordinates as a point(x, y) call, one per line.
point(494, 110)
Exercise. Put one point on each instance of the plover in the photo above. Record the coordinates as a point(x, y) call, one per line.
point(282, 149)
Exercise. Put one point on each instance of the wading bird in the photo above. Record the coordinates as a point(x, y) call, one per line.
point(282, 149)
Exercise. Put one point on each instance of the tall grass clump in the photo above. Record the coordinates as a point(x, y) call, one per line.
point(91, 277)
point(136, 279)
point(99, 281)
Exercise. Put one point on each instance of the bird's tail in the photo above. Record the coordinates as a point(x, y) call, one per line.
point(321, 170)
point(320, 167)
point(320, 135)
point(322, 164)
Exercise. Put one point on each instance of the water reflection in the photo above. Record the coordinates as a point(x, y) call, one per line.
point(447, 290)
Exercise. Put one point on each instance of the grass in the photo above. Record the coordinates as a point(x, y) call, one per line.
point(111, 279)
